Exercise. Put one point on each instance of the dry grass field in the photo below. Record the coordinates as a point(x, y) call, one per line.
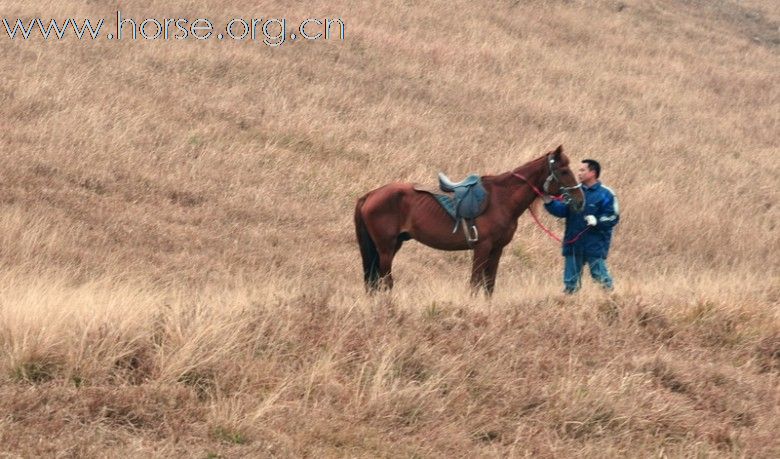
point(179, 275)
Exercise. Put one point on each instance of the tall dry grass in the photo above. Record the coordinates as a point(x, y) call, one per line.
point(178, 271)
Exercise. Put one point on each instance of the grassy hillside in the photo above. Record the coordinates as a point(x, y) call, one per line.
point(178, 270)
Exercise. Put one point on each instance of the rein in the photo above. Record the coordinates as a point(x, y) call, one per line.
point(536, 219)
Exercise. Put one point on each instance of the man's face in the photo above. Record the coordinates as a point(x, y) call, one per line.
point(584, 174)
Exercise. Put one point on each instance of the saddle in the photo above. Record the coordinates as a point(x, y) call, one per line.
point(464, 201)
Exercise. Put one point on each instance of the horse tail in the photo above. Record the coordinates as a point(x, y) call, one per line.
point(368, 249)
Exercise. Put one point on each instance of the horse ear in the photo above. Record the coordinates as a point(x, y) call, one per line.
point(557, 153)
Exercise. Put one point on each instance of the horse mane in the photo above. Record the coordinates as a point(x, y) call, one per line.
point(522, 169)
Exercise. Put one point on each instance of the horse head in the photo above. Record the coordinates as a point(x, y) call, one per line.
point(561, 180)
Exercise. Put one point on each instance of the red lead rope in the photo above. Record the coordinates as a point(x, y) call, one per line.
point(536, 219)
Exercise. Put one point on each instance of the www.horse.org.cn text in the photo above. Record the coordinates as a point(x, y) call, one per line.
point(271, 32)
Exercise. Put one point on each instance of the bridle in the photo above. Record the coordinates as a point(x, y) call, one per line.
point(565, 190)
point(566, 199)
point(553, 175)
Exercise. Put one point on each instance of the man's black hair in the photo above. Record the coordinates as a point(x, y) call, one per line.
point(593, 165)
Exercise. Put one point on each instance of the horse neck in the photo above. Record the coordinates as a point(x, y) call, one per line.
point(520, 194)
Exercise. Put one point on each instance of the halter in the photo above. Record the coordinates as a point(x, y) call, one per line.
point(565, 190)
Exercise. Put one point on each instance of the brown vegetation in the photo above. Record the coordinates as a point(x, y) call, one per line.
point(178, 270)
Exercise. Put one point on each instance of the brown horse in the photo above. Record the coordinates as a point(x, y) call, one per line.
point(397, 212)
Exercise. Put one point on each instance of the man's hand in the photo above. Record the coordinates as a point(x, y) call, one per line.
point(591, 220)
point(546, 198)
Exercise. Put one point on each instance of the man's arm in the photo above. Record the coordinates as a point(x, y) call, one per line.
point(557, 208)
point(609, 214)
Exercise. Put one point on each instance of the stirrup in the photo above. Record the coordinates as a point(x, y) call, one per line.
point(472, 235)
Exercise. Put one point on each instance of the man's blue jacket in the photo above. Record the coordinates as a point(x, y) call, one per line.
point(600, 202)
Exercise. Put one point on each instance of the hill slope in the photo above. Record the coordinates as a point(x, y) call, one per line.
point(178, 271)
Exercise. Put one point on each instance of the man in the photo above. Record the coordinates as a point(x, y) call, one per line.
point(593, 225)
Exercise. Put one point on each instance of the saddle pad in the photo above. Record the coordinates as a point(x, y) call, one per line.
point(445, 200)
point(447, 203)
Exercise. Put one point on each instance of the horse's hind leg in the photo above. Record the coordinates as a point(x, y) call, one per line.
point(384, 216)
point(387, 250)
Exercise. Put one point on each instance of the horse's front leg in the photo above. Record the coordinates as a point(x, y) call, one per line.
point(492, 269)
point(479, 267)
